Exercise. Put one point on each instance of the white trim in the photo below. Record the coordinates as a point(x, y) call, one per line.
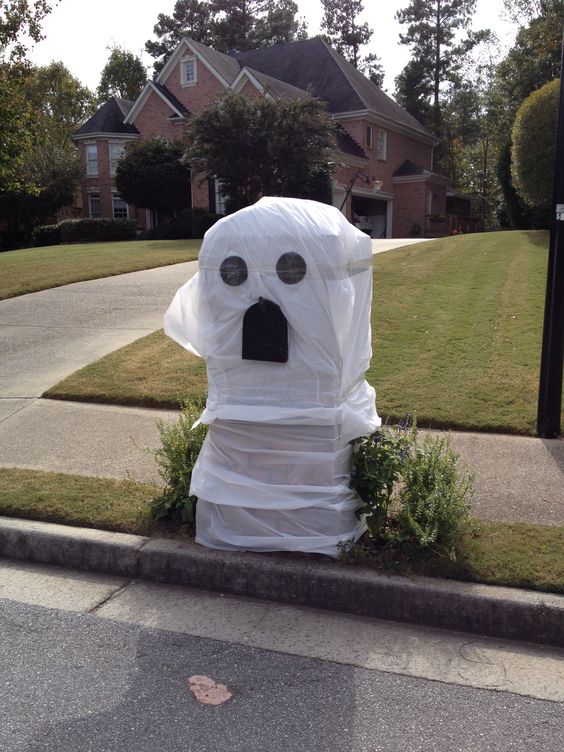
point(94, 172)
point(184, 82)
point(429, 177)
point(142, 98)
point(348, 160)
point(245, 73)
point(385, 149)
point(386, 122)
point(105, 136)
point(177, 54)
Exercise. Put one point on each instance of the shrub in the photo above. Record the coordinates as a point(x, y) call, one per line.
point(46, 235)
point(534, 143)
point(434, 499)
point(203, 222)
point(414, 496)
point(181, 444)
point(97, 230)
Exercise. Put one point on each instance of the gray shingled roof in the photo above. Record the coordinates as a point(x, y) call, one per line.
point(176, 103)
point(409, 168)
point(312, 65)
point(277, 87)
point(225, 65)
point(347, 144)
point(109, 119)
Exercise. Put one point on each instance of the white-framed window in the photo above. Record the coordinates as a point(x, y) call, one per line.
point(369, 136)
point(382, 144)
point(91, 159)
point(119, 207)
point(188, 71)
point(221, 197)
point(116, 151)
point(94, 206)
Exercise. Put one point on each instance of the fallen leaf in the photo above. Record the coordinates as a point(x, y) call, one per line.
point(207, 691)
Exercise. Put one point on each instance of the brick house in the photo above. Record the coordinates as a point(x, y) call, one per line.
point(383, 179)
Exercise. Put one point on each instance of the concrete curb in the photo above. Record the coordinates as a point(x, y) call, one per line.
point(496, 611)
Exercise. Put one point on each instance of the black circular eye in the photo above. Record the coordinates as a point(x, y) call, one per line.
point(291, 268)
point(233, 271)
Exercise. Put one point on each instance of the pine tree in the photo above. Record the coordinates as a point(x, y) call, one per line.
point(433, 28)
point(343, 29)
point(226, 25)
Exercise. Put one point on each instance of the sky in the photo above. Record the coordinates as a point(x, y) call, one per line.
point(79, 36)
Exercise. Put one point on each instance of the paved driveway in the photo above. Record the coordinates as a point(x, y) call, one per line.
point(45, 336)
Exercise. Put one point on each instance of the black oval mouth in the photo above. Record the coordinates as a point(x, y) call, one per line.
point(265, 333)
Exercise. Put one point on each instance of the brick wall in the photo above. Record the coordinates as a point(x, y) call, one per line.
point(199, 96)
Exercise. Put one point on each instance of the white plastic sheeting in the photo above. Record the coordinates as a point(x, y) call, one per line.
point(274, 470)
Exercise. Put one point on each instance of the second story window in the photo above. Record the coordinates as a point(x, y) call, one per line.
point(369, 136)
point(382, 144)
point(188, 71)
point(91, 159)
point(116, 152)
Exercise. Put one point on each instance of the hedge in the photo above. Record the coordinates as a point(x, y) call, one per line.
point(97, 230)
point(46, 235)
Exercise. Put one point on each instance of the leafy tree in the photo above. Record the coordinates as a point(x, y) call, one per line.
point(16, 129)
point(513, 206)
point(433, 28)
point(20, 19)
point(226, 25)
point(344, 31)
point(152, 175)
point(60, 102)
point(124, 75)
point(264, 147)
point(53, 170)
point(533, 150)
point(533, 61)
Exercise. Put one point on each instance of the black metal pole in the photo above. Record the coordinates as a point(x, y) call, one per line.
point(552, 357)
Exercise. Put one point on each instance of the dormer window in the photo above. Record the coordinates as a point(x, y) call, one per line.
point(188, 71)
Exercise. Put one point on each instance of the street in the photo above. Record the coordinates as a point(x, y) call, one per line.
point(98, 663)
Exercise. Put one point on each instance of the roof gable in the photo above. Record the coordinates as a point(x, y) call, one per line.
point(223, 67)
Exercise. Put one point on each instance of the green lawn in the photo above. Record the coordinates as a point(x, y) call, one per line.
point(33, 269)
point(516, 555)
point(457, 327)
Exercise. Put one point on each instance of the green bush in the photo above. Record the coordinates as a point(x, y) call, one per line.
point(46, 235)
point(97, 230)
point(170, 231)
point(434, 499)
point(533, 146)
point(181, 444)
point(413, 496)
point(203, 222)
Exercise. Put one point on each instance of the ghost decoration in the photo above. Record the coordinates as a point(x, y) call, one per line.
point(280, 310)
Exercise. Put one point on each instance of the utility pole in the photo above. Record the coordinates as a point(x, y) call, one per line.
point(552, 358)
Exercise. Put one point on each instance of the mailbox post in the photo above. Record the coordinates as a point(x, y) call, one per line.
point(552, 357)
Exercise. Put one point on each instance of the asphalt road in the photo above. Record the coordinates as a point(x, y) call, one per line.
point(84, 681)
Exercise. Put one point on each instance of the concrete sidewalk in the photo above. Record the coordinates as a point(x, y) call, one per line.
point(517, 478)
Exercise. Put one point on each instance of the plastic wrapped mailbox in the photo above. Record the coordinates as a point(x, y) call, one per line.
point(280, 310)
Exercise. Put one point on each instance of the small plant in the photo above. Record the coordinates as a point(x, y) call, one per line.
point(434, 499)
point(414, 497)
point(181, 444)
point(377, 462)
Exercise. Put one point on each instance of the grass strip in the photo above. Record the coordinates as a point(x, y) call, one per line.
point(33, 269)
point(152, 372)
point(457, 328)
point(494, 553)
